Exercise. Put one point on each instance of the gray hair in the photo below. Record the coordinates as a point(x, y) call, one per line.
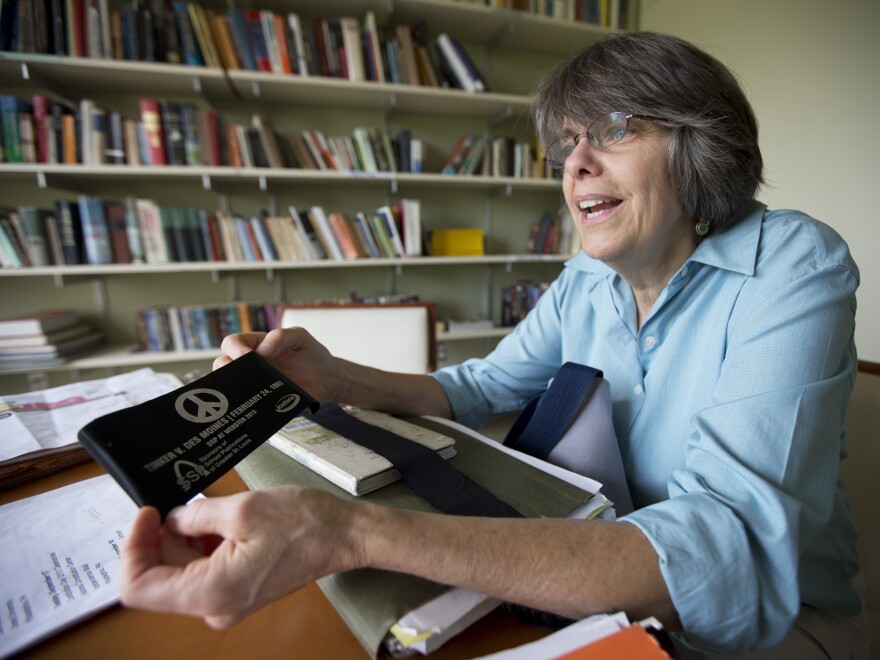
point(713, 156)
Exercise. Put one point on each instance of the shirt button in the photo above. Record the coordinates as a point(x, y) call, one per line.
point(684, 271)
point(651, 341)
point(638, 389)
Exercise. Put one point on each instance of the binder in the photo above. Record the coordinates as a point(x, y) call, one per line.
point(371, 601)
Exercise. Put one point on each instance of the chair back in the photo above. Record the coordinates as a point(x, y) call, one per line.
point(394, 337)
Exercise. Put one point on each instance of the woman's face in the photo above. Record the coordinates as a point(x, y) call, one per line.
point(624, 206)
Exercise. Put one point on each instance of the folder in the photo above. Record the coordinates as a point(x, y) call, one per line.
point(372, 601)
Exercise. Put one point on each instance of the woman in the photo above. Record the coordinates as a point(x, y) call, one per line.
point(725, 331)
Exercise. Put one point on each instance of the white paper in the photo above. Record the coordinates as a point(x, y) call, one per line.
point(60, 558)
point(579, 634)
point(51, 418)
point(438, 620)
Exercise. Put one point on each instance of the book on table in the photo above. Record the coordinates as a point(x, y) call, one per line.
point(345, 463)
point(38, 429)
point(397, 613)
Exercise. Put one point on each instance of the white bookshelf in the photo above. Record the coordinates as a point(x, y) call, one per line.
point(514, 46)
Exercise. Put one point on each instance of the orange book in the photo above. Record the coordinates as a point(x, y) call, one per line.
point(342, 231)
point(68, 133)
point(283, 49)
point(244, 317)
point(632, 642)
point(233, 147)
point(223, 39)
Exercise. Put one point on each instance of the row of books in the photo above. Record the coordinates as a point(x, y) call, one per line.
point(193, 327)
point(553, 233)
point(242, 39)
point(518, 299)
point(172, 133)
point(607, 13)
point(478, 153)
point(41, 130)
point(94, 231)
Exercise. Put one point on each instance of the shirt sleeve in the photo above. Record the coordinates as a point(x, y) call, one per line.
point(518, 369)
point(760, 476)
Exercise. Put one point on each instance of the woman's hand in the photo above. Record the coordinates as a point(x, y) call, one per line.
point(294, 352)
point(272, 542)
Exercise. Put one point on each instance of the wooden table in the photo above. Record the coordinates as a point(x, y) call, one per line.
point(301, 626)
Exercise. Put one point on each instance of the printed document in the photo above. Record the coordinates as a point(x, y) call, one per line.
point(38, 422)
point(60, 560)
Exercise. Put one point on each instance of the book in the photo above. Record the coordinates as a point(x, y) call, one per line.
point(39, 353)
point(152, 127)
point(268, 140)
point(36, 242)
point(353, 47)
point(172, 127)
point(70, 228)
point(297, 44)
point(41, 322)
point(155, 246)
point(257, 38)
point(408, 59)
point(45, 338)
point(192, 55)
point(238, 28)
point(373, 48)
point(225, 43)
point(457, 65)
point(373, 601)
point(9, 255)
point(96, 236)
point(115, 215)
point(40, 427)
point(350, 466)
point(324, 233)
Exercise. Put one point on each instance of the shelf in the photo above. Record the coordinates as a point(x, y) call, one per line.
point(74, 176)
point(74, 77)
point(271, 266)
point(468, 22)
point(113, 357)
point(320, 91)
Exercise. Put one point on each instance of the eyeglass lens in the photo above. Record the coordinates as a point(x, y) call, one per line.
point(603, 132)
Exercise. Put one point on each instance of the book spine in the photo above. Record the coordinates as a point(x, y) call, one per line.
point(96, 239)
point(71, 232)
point(132, 231)
point(151, 119)
point(152, 234)
point(172, 127)
point(114, 152)
point(35, 240)
point(115, 214)
point(456, 64)
point(257, 39)
point(240, 36)
point(192, 55)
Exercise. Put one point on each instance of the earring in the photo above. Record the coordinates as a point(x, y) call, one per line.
point(702, 227)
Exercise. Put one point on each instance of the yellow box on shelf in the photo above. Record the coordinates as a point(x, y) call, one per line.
point(458, 242)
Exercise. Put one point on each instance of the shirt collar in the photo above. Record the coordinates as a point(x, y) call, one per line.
point(734, 248)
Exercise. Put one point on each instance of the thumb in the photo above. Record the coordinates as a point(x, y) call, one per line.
point(213, 516)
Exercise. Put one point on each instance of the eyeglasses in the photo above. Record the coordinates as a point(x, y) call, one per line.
point(603, 132)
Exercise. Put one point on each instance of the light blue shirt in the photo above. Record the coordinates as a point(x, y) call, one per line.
point(728, 404)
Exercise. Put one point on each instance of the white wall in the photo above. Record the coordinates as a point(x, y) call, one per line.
point(811, 69)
